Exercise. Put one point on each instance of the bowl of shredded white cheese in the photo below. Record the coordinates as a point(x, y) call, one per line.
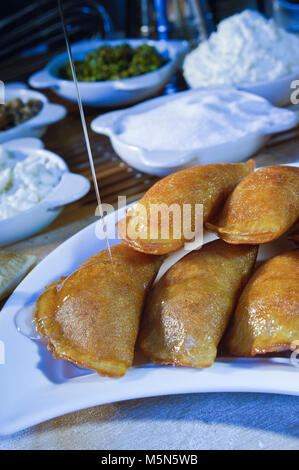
point(247, 51)
point(35, 184)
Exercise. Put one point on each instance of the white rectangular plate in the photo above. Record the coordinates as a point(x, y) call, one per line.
point(35, 387)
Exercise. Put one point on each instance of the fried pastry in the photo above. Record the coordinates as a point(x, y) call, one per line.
point(267, 315)
point(188, 310)
point(91, 318)
point(295, 234)
point(13, 268)
point(262, 207)
point(150, 226)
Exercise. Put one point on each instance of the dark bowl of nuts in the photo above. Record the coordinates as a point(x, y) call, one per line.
point(26, 113)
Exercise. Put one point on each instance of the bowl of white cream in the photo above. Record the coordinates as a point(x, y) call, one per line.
point(250, 53)
point(215, 125)
point(35, 185)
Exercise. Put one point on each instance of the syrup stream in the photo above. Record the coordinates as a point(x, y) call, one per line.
point(24, 319)
point(85, 132)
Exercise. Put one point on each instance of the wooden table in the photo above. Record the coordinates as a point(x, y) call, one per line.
point(114, 178)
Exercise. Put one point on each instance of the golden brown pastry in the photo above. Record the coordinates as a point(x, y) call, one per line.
point(92, 317)
point(189, 308)
point(262, 207)
point(295, 233)
point(207, 184)
point(267, 315)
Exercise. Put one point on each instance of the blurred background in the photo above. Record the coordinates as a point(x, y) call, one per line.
point(34, 27)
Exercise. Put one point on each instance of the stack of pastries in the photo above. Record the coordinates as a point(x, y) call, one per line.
point(96, 316)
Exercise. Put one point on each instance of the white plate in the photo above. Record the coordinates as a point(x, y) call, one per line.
point(35, 387)
point(38, 124)
point(70, 188)
point(162, 162)
point(112, 92)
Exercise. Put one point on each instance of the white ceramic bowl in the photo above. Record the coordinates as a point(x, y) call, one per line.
point(278, 91)
point(161, 162)
point(112, 92)
point(70, 188)
point(37, 125)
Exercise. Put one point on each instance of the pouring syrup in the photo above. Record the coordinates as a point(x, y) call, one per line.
point(24, 319)
point(85, 131)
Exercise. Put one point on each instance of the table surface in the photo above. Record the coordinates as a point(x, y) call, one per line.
point(206, 421)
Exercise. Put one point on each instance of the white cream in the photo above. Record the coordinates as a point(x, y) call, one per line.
point(24, 183)
point(200, 119)
point(247, 48)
